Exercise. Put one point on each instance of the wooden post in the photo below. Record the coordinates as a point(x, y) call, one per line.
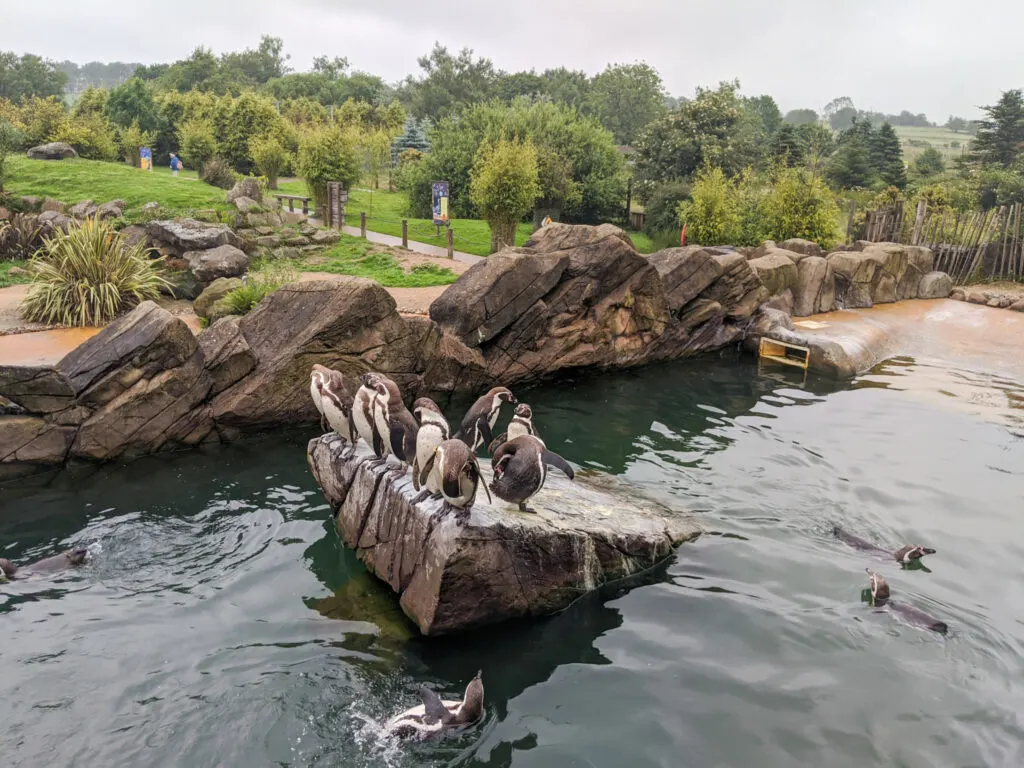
point(362, 223)
point(451, 243)
point(405, 233)
point(305, 206)
point(849, 222)
point(922, 206)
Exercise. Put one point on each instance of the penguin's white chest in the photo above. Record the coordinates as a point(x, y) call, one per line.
point(336, 418)
point(314, 392)
point(363, 401)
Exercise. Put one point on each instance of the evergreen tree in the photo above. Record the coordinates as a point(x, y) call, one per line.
point(413, 137)
point(787, 146)
point(1000, 138)
point(851, 165)
point(887, 157)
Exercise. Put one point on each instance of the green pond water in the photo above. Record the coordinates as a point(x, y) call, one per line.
point(221, 622)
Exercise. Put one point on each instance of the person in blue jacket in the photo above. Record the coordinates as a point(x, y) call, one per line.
point(175, 164)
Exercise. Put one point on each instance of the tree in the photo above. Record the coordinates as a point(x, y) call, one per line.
point(29, 76)
point(787, 148)
point(852, 165)
point(240, 120)
point(798, 204)
point(450, 83)
point(198, 143)
point(713, 215)
point(131, 139)
point(1000, 137)
point(956, 124)
point(259, 65)
point(42, 119)
point(11, 139)
point(819, 143)
point(91, 135)
point(93, 101)
point(511, 85)
point(887, 157)
point(662, 207)
point(627, 97)
point(836, 105)
point(764, 107)
point(930, 162)
point(132, 101)
point(325, 155)
point(801, 116)
point(842, 119)
point(413, 137)
point(504, 187)
point(375, 146)
point(270, 157)
point(565, 86)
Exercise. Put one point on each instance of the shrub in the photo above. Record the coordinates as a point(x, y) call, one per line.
point(91, 136)
point(218, 172)
point(799, 205)
point(131, 139)
point(19, 238)
point(270, 156)
point(197, 143)
point(10, 140)
point(327, 155)
point(503, 187)
point(930, 162)
point(713, 215)
point(261, 281)
point(662, 207)
point(41, 118)
point(88, 276)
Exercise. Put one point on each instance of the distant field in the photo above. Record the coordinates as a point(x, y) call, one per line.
point(942, 139)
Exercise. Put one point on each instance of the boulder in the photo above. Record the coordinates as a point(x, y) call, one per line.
point(31, 203)
point(268, 241)
point(325, 237)
point(83, 210)
point(801, 246)
point(958, 294)
point(350, 324)
point(220, 308)
point(739, 290)
point(28, 444)
point(55, 150)
point(190, 235)
point(10, 408)
point(36, 389)
point(247, 187)
point(222, 261)
point(935, 285)
point(564, 237)
point(781, 302)
point(214, 292)
point(111, 210)
point(134, 234)
point(1005, 302)
point(855, 273)
point(49, 204)
point(815, 287)
point(226, 353)
point(500, 563)
point(264, 219)
point(206, 215)
point(1017, 306)
point(685, 272)
point(51, 221)
point(762, 250)
point(245, 204)
point(977, 297)
point(182, 284)
point(776, 270)
point(152, 205)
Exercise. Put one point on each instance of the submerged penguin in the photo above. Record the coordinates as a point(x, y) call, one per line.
point(362, 413)
point(453, 472)
point(521, 424)
point(433, 431)
point(395, 425)
point(482, 416)
point(435, 716)
point(521, 467)
point(48, 566)
point(880, 596)
point(904, 555)
point(336, 403)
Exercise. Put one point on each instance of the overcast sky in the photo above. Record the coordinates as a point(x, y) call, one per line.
point(932, 56)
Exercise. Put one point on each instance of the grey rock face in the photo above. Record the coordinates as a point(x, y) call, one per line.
point(222, 261)
point(55, 150)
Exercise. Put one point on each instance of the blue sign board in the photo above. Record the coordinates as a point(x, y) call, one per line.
point(439, 203)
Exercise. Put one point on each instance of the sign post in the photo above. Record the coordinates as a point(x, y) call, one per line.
point(439, 203)
point(146, 158)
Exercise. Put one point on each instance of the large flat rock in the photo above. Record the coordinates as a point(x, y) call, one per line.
point(500, 563)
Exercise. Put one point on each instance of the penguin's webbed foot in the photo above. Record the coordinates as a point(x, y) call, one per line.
point(524, 508)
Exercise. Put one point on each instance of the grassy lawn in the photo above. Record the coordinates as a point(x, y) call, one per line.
point(940, 138)
point(359, 258)
point(72, 181)
point(8, 280)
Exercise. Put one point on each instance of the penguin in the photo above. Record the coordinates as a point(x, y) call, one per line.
point(395, 425)
point(521, 424)
point(362, 414)
point(905, 555)
point(880, 596)
point(453, 472)
point(436, 716)
point(521, 467)
point(433, 431)
point(482, 416)
point(316, 377)
point(336, 403)
point(45, 567)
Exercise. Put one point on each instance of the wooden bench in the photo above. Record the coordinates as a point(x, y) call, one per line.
point(291, 202)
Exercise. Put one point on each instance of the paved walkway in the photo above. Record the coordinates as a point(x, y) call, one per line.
point(430, 250)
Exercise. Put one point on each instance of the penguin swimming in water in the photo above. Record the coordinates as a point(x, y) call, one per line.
point(395, 425)
point(362, 414)
point(453, 472)
point(521, 467)
point(48, 566)
point(436, 716)
point(904, 555)
point(482, 416)
point(521, 424)
point(336, 403)
point(880, 596)
point(433, 431)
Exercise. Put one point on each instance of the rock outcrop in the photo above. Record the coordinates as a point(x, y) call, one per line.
point(190, 235)
point(55, 150)
point(213, 293)
point(214, 263)
point(501, 563)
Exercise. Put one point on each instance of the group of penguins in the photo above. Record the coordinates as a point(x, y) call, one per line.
point(879, 587)
point(444, 466)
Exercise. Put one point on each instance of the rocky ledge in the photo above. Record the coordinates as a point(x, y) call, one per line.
point(501, 563)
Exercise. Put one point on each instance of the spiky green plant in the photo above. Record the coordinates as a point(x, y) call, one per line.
point(263, 279)
point(88, 276)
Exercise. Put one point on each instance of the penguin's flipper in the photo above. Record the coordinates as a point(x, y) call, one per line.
point(484, 430)
point(378, 443)
point(416, 472)
point(493, 446)
point(556, 461)
point(425, 472)
point(397, 438)
point(479, 481)
point(433, 708)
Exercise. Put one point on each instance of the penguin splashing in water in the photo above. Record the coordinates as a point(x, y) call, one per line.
point(435, 716)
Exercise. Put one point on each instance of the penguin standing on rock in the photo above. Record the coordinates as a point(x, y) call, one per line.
point(521, 467)
point(453, 472)
point(880, 595)
point(435, 716)
point(316, 378)
point(482, 416)
point(362, 413)
point(521, 424)
point(394, 424)
point(433, 431)
point(336, 402)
